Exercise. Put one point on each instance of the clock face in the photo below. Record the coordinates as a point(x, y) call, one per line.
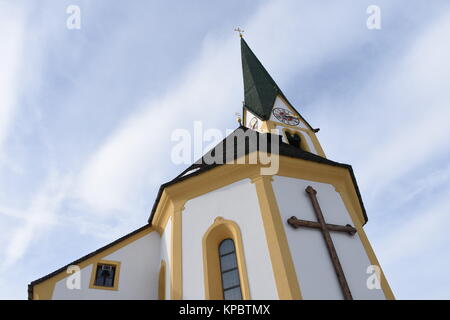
point(254, 123)
point(286, 116)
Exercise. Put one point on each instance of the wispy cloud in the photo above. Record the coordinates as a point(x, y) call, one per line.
point(419, 233)
point(12, 35)
point(402, 120)
point(130, 157)
point(419, 127)
point(400, 115)
point(35, 219)
point(210, 90)
point(100, 104)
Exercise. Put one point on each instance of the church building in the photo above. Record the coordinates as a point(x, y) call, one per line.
point(235, 229)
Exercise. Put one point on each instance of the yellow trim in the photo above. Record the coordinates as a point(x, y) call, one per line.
point(308, 131)
point(316, 143)
point(162, 281)
point(116, 275)
point(341, 180)
point(265, 127)
point(176, 262)
point(44, 290)
point(172, 201)
point(303, 143)
point(244, 116)
point(163, 212)
point(288, 286)
point(365, 242)
point(268, 125)
point(175, 195)
point(374, 261)
point(220, 230)
point(337, 176)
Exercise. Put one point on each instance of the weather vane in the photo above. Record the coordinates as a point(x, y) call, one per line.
point(240, 31)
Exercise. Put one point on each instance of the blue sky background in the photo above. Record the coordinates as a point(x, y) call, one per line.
point(86, 117)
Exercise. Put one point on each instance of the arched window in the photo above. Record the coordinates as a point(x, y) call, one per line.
point(297, 139)
point(225, 273)
point(229, 270)
point(294, 139)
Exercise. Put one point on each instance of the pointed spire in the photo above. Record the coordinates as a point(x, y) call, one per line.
point(260, 90)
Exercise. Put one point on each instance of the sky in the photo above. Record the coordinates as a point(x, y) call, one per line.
point(86, 117)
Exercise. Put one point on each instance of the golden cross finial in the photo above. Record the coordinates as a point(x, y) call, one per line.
point(240, 31)
point(238, 118)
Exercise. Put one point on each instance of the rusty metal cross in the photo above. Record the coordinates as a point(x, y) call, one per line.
point(326, 228)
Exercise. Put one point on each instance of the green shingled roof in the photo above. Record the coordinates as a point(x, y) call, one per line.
point(259, 88)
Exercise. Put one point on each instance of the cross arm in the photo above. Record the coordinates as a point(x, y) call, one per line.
point(296, 223)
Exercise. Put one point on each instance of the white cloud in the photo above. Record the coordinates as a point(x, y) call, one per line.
point(36, 218)
point(434, 180)
point(417, 233)
point(131, 155)
point(399, 120)
point(292, 38)
point(408, 131)
point(419, 128)
point(11, 45)
point(210, 90)
point(411, 247)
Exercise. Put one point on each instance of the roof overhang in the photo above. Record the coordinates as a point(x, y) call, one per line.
point(291, 158)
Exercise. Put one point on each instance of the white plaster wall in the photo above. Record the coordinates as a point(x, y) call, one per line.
point(166, 245)
point(237, 202)
point(309, 253)
point(248, 118)
point(279, 103)
point(138, 278)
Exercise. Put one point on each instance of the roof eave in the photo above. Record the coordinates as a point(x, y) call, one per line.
point(317, 158)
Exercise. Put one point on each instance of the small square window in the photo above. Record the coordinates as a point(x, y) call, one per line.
point(104, 275)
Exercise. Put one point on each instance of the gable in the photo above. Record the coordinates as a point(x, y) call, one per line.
point(42, 289)
point(281, 103)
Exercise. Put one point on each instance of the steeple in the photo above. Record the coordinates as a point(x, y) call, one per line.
point(266, 108)
point(260, 89)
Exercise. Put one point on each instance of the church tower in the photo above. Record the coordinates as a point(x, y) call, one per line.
point(227, 229)
point(266, 108)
